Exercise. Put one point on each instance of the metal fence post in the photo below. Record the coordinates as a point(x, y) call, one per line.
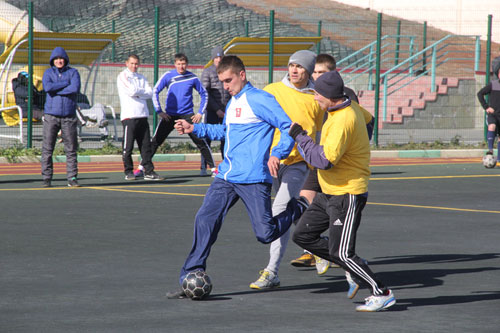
point(377, 78)
point(246, 29)
point(433, 70)
point(487, 69)
point(412, 42)
point(424, 45)
point(271, 45)
point(178, 37)
point(370, 72)
point(30, 75)
point(398, 40)
point(318, 46)
point(477, 58)
point(157, 56)
point(113, 44)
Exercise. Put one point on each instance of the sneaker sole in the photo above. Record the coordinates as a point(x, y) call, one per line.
point(154, 180)
point(302, 264)
point(324, 271)
point(254, 286)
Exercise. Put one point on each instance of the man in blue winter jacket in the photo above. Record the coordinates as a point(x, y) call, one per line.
point(251, 117)
point(62, 83)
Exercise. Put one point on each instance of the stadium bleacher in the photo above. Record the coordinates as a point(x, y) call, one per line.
point(203, 24)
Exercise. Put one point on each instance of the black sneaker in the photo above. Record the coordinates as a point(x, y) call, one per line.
point(179, 294)
point(46, 183)
point(152, 176)
point(130, 176)
point(73, 182)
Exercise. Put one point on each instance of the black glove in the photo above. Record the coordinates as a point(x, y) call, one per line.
point(295, 130)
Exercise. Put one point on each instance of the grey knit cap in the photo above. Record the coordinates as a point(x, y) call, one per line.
point(304, 58)
point(217, 51)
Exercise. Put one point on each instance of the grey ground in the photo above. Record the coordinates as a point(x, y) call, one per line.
point(100, 258)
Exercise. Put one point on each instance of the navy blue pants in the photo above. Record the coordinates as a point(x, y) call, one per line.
point(220, 197)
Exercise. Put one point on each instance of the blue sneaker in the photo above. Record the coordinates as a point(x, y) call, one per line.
point(353, 286)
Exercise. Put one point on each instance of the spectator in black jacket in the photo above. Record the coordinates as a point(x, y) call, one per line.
point(20, 88)
point(217, 98)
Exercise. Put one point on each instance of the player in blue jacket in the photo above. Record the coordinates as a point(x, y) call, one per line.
point(179, 83)
point(251, 117)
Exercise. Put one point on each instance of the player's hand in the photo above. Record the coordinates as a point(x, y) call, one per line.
point(295, 130)
point(220, 114)
point(273, 164)
point(183, 127)
point(196, 118)
point(490, 110)
point(164, 116)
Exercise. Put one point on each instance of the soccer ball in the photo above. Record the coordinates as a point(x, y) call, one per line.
point(489, 161)
point(197, 285)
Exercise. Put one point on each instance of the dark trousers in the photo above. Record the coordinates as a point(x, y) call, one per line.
point(137, 129)
point(341, 214)
point(68, 128)
point(166, 126)
point(220, 197)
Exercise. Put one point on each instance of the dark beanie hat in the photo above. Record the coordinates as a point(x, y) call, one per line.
point(217, 52)
point(330, 85)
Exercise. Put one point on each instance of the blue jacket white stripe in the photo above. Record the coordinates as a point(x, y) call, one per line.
point(249, 124)
point(180, 87)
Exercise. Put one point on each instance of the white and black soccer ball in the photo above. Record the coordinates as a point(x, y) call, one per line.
point(489, 161)
point(197, 285)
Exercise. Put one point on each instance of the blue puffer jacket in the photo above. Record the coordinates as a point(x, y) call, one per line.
point(61, 85)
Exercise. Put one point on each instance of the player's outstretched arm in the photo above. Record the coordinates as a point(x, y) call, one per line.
point(312, 153)
point(183, 127)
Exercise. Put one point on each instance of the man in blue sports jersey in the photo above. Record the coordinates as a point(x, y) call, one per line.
point(179, 83)
point(249, 123)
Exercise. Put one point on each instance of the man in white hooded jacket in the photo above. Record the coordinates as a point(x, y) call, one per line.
point(134, 91)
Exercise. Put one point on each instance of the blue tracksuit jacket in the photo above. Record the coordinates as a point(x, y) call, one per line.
point(180, 87)
point(248, 128)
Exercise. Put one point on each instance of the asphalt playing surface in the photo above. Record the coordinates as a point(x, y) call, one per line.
point(100, 258)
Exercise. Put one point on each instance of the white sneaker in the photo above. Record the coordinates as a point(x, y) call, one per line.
point(266, 280)
point(322, 265)
point(214, 172)
point(377, 303)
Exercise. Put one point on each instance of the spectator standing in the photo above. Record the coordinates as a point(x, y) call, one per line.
point(134, 91)
point(62, 84)
point(217, 99)
point(179, 83)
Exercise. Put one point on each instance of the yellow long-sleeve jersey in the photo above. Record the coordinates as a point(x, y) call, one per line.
point(302, 109)
point(346, 145)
